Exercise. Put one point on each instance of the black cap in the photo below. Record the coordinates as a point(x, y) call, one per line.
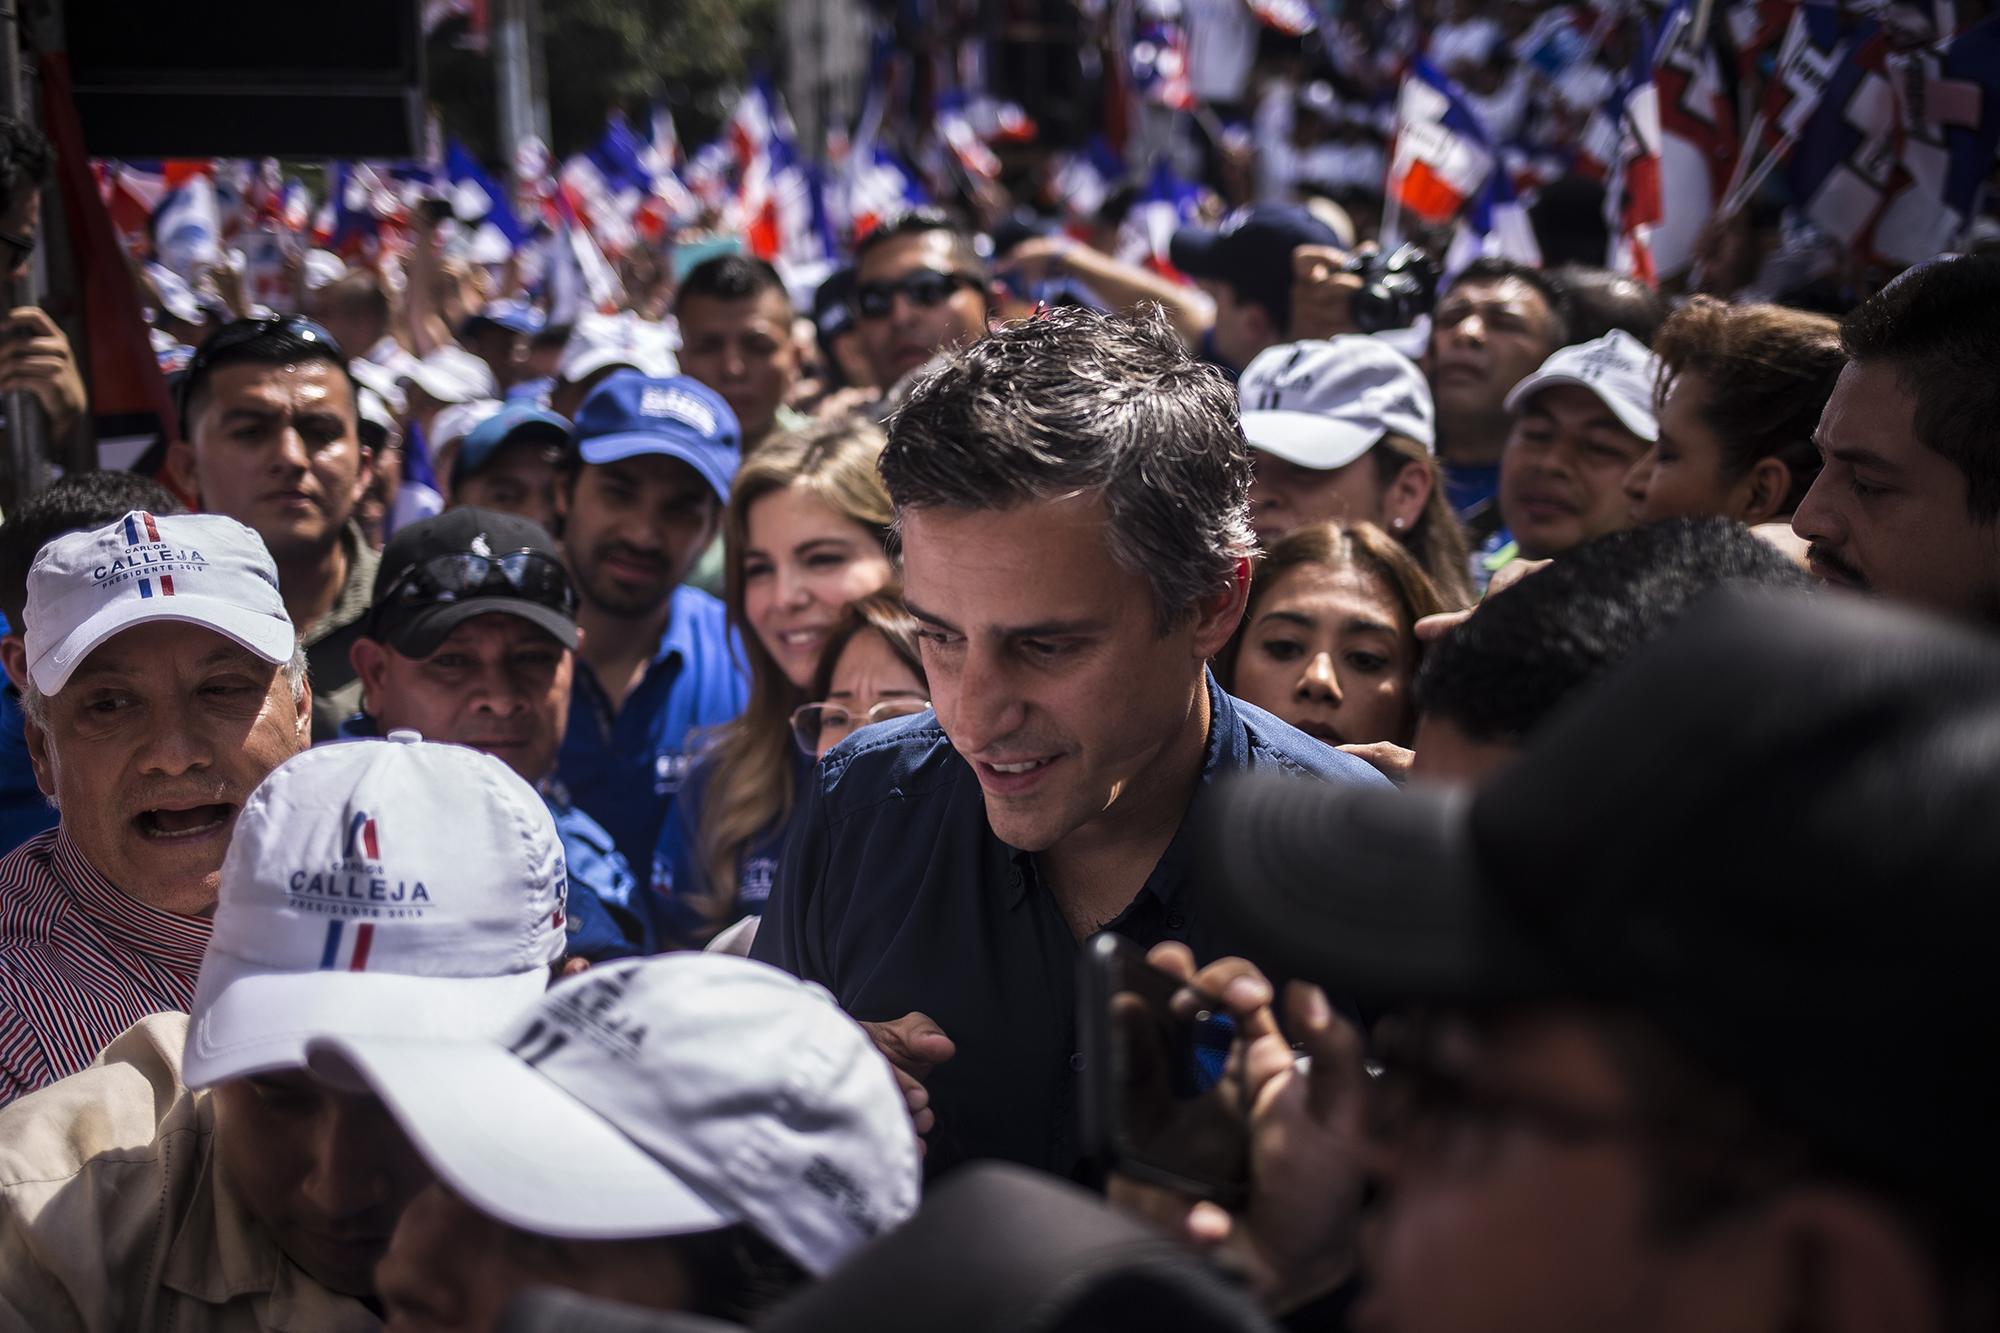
point(1771, 833)
point(833, 305)
point(427, 586)
point(1252, 251)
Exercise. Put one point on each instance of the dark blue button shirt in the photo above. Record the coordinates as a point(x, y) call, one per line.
point(679, 882)
point(895, 895)
point(625, 767)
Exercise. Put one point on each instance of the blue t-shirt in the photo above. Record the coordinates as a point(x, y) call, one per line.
point(626, 767)
point(1469, 485)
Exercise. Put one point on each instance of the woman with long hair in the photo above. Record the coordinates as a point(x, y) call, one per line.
point(804, 536)
point(872, 671)
point(1328, 640)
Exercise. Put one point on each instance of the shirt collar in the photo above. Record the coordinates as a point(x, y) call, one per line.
point(680, 640)
point(174, 939)
point(222, 1253)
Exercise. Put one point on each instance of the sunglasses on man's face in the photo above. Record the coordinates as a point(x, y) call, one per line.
point(926, 287)
point(529, 575)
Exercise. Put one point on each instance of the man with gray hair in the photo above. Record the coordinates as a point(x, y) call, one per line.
point(164, 680)
point(1072, 494)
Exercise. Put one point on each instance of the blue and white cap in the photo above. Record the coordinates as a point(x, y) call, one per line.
point(679, 417)
point(690, 1092)
point(377, 887)
point(204, 569)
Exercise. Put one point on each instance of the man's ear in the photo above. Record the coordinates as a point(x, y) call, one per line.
point(371, 666)
point(41, 756)
point(14, 657)
point(1217, 615)
point(364, 475)
point(180, 469)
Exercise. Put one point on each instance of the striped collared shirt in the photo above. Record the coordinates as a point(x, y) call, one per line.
point(79, 962)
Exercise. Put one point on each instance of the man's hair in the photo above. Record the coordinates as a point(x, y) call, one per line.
point(730, 278)
point(79, 502)
point(1075, 401)
point(1491, 268)
point(1527, 650)
point(25, 159)
point(358, 293)
point(1768, 372)
point(918, 222)
point(1938, 327)
point(1600, 301)
point(279, 346)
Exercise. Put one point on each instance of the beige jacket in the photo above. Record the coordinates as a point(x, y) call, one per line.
point(113, 1218)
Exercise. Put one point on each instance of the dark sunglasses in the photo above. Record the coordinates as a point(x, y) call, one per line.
point(529, 575)
point(220, 346)
point(23, 247)
point(926, 287)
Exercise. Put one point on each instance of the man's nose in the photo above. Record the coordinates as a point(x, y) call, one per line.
point(353, 1164)
point(987, 707)
point(1817, 519)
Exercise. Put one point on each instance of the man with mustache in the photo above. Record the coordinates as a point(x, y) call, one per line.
point(472, 640)
point(1908, 502)
point(270, 435)
point(648, 474)
point(163, 682)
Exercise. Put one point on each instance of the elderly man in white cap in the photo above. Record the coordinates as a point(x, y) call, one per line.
point(198, 1177)
point(726, 1134)
point(164, 681)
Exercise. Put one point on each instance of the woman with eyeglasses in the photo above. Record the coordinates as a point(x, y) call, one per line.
point(872, 672)
point(803, 536)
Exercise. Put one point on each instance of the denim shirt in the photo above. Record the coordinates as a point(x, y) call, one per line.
point(677, 872)
point(895, 894)
point(625, 766)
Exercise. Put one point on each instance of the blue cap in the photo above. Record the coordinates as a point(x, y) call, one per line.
point(522, 421)
point(628, 415)
point(516, 315)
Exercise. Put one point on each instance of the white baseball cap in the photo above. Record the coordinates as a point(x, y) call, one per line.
point(597, 341)
point(1325, 402)
point(1618, 368)
point(689, 1092)
point(203, 569)
point(379, 886)
point(452, 375)
point(457, 421)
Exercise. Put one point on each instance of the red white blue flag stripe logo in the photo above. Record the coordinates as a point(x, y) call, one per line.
point(361, 838)
point(135, 521)
point(346, 951)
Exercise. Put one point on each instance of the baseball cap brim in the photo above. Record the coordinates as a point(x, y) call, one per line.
point(420, 633)
point(1309, 439)
point(589, 363)
point(1634, 418)
point(617, 448)
point(269, 637)
point(549, 1165)
point(1372, 892)
point(249, 1019)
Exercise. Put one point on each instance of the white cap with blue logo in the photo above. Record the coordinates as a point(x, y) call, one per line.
point(377, 887)
point(203, 569)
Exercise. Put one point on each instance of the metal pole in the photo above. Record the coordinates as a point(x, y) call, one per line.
point(27, 432)
point(511, 76)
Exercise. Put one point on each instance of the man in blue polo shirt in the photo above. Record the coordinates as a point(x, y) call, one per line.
point(650, 473)
point(1072, 494)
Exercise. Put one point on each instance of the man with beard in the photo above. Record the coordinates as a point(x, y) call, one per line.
point(163, 683)
point(650, 472)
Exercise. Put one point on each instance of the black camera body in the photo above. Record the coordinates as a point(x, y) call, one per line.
point(1396, 288)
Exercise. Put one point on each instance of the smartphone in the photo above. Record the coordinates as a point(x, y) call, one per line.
point(1155, 1104)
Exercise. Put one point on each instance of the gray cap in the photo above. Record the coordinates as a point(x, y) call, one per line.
point(1323, 403)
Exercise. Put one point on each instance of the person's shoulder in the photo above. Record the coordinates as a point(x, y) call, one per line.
point(907, 759)
point(1276, 744)
point(697, 610)
point(118, 1110)
point(20, 868)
